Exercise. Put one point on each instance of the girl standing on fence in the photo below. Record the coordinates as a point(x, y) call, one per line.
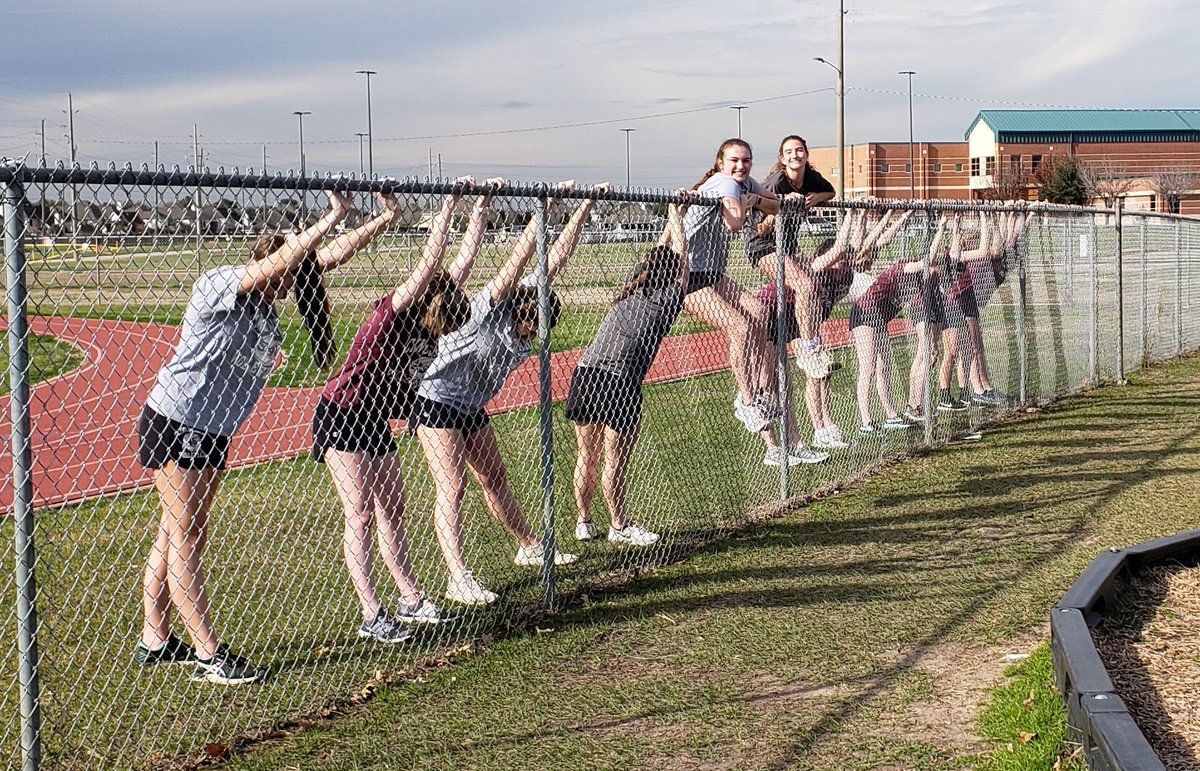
point(716, 299)
point(228, 344)
point(471, 366)
point(791, 178)
point(378, 381)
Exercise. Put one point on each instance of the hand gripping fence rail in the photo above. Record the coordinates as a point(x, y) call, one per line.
point(463, 358)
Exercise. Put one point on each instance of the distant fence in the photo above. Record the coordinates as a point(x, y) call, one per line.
point(100, 265)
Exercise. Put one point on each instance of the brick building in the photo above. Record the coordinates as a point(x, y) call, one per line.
point(1136, 154)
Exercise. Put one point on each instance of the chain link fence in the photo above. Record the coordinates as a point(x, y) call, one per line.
point(438, 536)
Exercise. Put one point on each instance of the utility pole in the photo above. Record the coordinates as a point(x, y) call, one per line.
point(912, 165)
point(264, 170)
point(370, 130)
point(362, 170)
point(43, 143)
point(72, 219)
point(431, 164)
point(627, 132)
point(841, 102)
point(739, 109)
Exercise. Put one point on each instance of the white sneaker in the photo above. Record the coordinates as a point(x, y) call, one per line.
point(632, 535)
point(533, 556)
point(802, 453)
point(469, 591)
point(827, 439)
point(423, 612)
point(751, 418)
point(585, 531)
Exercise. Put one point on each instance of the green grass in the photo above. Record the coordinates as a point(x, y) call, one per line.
point(48, 357)
point(1027, 720)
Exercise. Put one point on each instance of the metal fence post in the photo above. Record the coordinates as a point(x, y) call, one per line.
point(545, 405)
point(1144, 341)
point(1178, 288)
point(1120, 296)
point(927, 359)
point(22, 480)
point(1094, 309)
point(1022, 325)
point(781, 342)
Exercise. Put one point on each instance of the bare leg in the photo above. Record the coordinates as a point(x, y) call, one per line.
point(883, 373)
point(979, 369)
point(588, 437)
point(864, 347)
point(618, 449)
point(351, 479)
point(483, 458)
point(445, 452)
point(718, 306)
point(186, 496)
point(387, 483)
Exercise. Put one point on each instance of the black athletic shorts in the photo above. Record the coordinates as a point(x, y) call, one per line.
point(337, 428)
point(868, 317)
point(698, 281)
point(937, 311)
point(600, 396)
point(431, 414)
point(161, 439)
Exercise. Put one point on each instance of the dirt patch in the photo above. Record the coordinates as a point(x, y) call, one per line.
point(1152, 653)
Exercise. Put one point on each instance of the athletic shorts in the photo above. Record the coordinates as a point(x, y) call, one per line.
point(961, 303)
point(698, 281)
point(937, 310)
point(161, 439)
point(766, 295)
point(350, 430)
point(868, 317)
point(431, 414)
point(609, 398)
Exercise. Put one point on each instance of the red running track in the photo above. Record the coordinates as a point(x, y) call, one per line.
point(84, 423)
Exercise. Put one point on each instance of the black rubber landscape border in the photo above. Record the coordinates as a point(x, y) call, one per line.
point(1097, 716)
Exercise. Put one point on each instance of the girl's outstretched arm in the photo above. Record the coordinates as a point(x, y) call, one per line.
point(472, 241)
point(841, 246)
point(435, 251)
point(502, 286)
point(278, 263)
point(568, 240)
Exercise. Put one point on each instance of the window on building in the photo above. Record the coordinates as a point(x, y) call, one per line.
point(908, 168)
point(1014, 164)
point(884, 168)
point(974, 167)
point(860, 168)
point(989, 165)
point(937, 168)
point(1035, 162)
point(958, 167)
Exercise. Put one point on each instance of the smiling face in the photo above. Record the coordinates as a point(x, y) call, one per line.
point(735, 160)
point(794, 155)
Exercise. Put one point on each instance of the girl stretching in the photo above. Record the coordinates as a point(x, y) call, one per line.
point(471, 366)
point(378, 381)
point(227, 348)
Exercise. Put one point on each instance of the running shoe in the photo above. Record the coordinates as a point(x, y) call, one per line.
point(425, 611)
point(533, 556)
point(468, 591)
point(225, 669)
point(632, 535)
point(385, 628)
point(585, 531)
point(172, 651)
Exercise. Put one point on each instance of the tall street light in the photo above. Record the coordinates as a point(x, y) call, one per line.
point(370, 131)
point(627, 132)
point(739, 108)
point(300, 114)
point(912, 166)
point(841, 128)
point(361, 168)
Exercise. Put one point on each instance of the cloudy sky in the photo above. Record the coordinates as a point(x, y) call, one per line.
point(540, 90)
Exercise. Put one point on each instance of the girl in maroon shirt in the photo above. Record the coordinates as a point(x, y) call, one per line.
point(378, 382)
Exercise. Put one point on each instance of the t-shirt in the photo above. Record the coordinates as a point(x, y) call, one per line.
point(387, 359)
point(473, 362)
point(778, 183)
point(708, 238)
point(891, 291)
point(632, 331)
point(226, 350)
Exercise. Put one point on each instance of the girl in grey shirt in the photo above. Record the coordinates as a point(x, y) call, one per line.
point(471, 366)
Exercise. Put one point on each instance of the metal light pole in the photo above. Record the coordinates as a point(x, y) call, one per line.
point(361, 168)
point(840, 185)
point(370, 131)
point(739, 108)
point(912, 165)
point(300, 114)
point(627, 132)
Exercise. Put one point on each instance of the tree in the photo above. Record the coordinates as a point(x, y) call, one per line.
point(1171, 186)
point(1064, 183)
point(1009, 183)
point(1106, 180)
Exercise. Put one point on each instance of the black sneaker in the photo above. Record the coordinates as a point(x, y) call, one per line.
point(225, 669)
point(173, 651)
point(947, 403)
point(986, 399)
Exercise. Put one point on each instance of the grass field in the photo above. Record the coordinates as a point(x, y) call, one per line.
point(858, 632)
point(47, 357)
